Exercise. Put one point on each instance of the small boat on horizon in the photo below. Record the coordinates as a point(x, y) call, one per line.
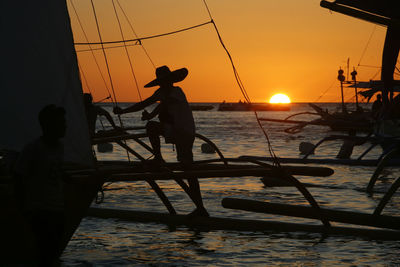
point(243, 106)
point(201, 107)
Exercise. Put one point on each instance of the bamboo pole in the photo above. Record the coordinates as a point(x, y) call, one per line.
point(222, 173)
point(349, 217)
point(138, 168)
point(215, 223)
point(360, 14)
point(387, 197)
point(349, 162)
point(381, 165)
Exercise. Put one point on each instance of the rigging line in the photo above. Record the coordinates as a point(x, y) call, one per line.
point(130, 24)
point(110, 47)
point(108, 68)
point(242, 88)
point(104, 52)
point(324, 93)
point(376, 74)
point(84, 77)
point(147, 37)
point(87, 39)
point(369, 66)
point(366, 46)
point(126, 50)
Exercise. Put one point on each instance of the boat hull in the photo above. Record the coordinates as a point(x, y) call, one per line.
point(253, 107)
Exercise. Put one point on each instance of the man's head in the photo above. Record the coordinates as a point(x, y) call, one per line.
point(166, 77)
point(52, 121)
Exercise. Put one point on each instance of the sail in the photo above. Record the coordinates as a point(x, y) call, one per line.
point(40, 68)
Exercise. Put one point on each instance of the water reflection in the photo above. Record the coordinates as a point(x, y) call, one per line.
point(113, 242)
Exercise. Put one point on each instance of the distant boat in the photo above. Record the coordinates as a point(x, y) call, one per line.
point(195, 107)
point(242, 106)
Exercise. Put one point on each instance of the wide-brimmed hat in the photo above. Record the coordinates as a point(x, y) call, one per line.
point(163, 73)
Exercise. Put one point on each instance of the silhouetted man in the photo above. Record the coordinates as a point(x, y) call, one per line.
point(93, 111)
point(176, 123)
point(376, 106)
point(39, 170)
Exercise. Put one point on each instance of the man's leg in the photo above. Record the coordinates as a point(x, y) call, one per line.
point(153, 130)
point(184, 147)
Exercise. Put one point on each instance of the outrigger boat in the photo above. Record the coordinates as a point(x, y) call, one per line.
point(52, 36)
point(236, 167)
point(373, 225)
point(385, 227)
point(49, 74)
point(358, 120)
point(343, 122)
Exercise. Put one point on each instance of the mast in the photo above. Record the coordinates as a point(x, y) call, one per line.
point(384, 12)
point(341, 78)
point(354, 78)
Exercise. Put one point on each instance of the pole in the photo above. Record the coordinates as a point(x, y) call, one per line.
point(354, 78)
point(341, 78)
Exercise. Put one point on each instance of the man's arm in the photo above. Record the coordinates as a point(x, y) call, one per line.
point(138, 106)
point(149, 116)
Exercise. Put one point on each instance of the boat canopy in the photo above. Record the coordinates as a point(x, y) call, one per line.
point(40, 68)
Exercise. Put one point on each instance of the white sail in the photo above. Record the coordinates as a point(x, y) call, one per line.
point(39, 67)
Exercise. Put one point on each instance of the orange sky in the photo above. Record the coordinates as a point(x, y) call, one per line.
point(293, 47)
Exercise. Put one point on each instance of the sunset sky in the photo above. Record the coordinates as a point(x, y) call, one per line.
point(293, 47)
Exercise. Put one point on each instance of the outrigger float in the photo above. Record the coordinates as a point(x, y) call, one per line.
point(376, 225)
point(388, 144)
point(355, 121)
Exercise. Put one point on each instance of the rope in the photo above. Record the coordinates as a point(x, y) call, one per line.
point(108, 68)
point(84, 78)
point(87, 39)
point(140, 43)
point(333, 82)
point(369, 66)
point(366, 46)
point(126, 50)
point(110, 47)
point(241, 86)
point(104, 52)
point(145, 38)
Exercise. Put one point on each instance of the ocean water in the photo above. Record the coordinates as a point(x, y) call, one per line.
point(100, 242)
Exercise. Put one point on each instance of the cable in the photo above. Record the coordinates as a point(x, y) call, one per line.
point(126, 51)
point(108, 68)
point(84, 78)
point(366, 46)
point(145, 38)
point(87, 39)
point(325, 91)
point(134, 32)
point(104, 52)
point(110, 47)
point(242, 88)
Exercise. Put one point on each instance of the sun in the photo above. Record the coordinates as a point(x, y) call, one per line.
point(279, 98)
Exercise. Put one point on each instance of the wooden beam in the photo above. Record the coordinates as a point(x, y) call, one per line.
point(360, 14)
point(215, 223)
point(349, 217)
point(350, 162)
point(218, 173)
